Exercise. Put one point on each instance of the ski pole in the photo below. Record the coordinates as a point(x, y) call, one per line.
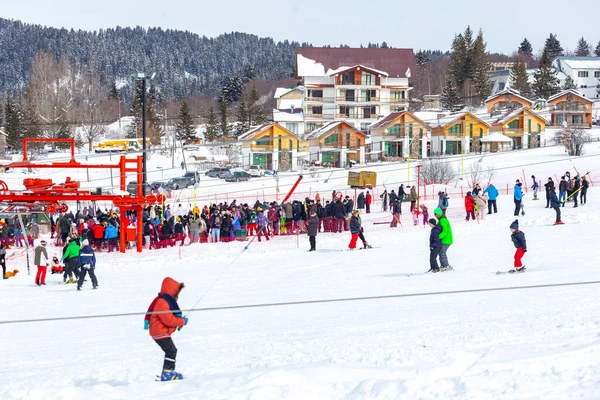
point(571, 195)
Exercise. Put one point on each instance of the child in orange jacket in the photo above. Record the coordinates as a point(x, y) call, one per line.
point(162, 318)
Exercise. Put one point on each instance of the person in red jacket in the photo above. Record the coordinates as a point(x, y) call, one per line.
point(470, 206)
point(162, 318)
point(98, 232)
point(368, 201)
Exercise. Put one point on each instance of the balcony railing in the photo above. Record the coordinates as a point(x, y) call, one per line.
point(319, 99)
point(315, 116)
point(398, 100)
point(356, 99)
point(571, 108)
point(261, 147)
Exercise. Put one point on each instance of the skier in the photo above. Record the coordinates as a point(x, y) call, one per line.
point(445, 237)
point(549, 189)
point(413, 198)
point(70, 258)
point(313, 227)
point(481, 201)
point(162, 324)
point(42, 261)
point(87, 263)
point(518, 197)
point(556, 206)
point(425, 213)
point(435, 244)
point(535, 188)
point(492, 193)
point(396, 209)
point(443, 201)
point(356, 231)
point(518, 239)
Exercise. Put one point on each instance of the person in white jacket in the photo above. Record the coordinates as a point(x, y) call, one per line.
point(40, 258)
point(481, 201)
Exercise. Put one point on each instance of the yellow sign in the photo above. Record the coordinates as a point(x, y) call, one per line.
point(362, 179)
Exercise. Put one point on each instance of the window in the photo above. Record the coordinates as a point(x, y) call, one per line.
point(311, 126)
point(421, 133)
point(513, 124)
point(344, 110)
point(528, 126)
point(397, 109)
point(350, 95)
point(263, 142)
point(480, 132)
point(348, 78)
point(292, 127)
point(596, 74)
point(455, 129)
point(367, 78)
point(471, 130)
point(577, 119)
point(394, 130)
point(539, 128)
point(369, 111)
point(410, 133)
point(316, 110)
point(368, 95)
point(582, 74)
point(331, 139)
point(397, 95)
point(364, 127)
point(315, 93)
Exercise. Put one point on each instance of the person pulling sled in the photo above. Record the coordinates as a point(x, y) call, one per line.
point(162, 318)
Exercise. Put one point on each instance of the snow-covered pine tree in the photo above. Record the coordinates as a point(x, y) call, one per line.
point(583, 48)
point(459, 64)
point(212, 125)
point(154, 129)
point(519, 79)
point(553, 46)
point(480, 69)
point(450, 98)
point(525, 47)
point(256, 114)
point(597, 50)
point(185, 128)
point(421, 59)
point(223, 115)
point(569, 83)
point(545, 83)
point(13, 122)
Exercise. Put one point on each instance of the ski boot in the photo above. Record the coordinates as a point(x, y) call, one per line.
point(170, 375)
point(367, 246)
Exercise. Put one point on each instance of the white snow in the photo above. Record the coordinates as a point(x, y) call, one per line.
point(309, 67)
point(515, 344)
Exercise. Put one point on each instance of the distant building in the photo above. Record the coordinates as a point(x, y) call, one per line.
point(585, 72)
point(458, 134)
point(502, 65)
point(395, 134)
point(571, 108)
point(507, 99)
point(337, 143)
point(524, 126)
point(432, 102)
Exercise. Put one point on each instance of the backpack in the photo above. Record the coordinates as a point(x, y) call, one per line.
point(445, 202)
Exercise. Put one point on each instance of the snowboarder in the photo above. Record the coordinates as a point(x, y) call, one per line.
point(518, 239)
point(435, 245)
point(535, 188)
point(556, 206)
point(87, 263)
point(313, 227)
point(492, 193)
point(445, 237)
point(42, 261)
point(518, 197)
point(162, 324)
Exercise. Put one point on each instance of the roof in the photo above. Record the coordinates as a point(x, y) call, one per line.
point(516, 112)
point(508, 91)
point(280, 91)
point(316, 61)
point(288, 104)
point(564, 92)
point(255, 130)
point(388, 119)
point(496, 137)
point(328, 127)
point(284, 116)
point(450, 118)
point(579, 62)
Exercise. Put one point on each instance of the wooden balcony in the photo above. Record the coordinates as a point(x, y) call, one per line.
point(356, 99)
point(314, 99)
point(262, 147)
point(573, 108)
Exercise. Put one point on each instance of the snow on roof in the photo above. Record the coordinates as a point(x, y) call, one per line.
point(280, 91)
point(572, 91)
point(453, 117)
point(317, 133)
point(580, 62)
point(286, 104)
point(308, 67)
point(508, 91)
point(496, 137)
point(516, 112)
point(254, 130)
point(282, 116)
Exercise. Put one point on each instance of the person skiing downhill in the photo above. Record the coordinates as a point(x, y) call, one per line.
point(163, 323)
point(518, 239)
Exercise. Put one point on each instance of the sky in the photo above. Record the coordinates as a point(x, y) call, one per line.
point(427, 25)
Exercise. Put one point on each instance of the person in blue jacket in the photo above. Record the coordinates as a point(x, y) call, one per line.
point(556, 206)
point(111, 235)
point(518, 196)
point(492, 193)
point(435, 244)
point(87, 264)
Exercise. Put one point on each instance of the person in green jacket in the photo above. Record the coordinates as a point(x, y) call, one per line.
point(71, 258)
point(445, 237)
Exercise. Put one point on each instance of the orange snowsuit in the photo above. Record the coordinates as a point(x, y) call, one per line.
point(164, 324)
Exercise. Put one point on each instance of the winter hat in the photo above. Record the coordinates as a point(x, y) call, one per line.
point(515, 224)
point(43, 242)
point(433, 221)
point(438, 211)
point(85, 242)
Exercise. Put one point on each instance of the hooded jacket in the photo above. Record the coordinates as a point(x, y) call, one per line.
point(163, 324)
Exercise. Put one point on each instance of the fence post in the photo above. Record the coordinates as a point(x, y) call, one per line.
point(461, 192)
point(525, 181)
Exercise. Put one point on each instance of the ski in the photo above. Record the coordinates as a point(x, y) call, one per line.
point(511, 271)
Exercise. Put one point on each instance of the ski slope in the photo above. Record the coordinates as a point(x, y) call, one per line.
point(532, 343)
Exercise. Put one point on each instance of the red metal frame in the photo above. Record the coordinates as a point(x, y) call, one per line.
point(52, 197)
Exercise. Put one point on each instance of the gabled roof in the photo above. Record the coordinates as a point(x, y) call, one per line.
point(395, 62)
point(344, 69)
point(564, 92)
point(511, 92)
point(328, 127)
point(516, 112)
point(261, 128)
point(579, 62)
point(452, 118)
point(388, 119)
point(281, 91)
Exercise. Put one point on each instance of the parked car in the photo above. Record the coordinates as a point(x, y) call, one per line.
point(256, 170)
point(192, 176)
point(217, 172)
point(238, 176)
point(132, 188)
point(155, 186)
point(180, 182)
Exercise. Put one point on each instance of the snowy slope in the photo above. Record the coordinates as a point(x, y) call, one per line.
point(517, 344)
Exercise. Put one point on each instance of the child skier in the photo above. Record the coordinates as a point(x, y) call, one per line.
point(56, 266)
point(425, 213)
point(356, 231)
point(435, 244)
point(518, 239)
point(415, 212)
point(163, 323)
point(469, 206)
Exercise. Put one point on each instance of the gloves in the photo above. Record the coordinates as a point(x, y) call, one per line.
point(185, 321)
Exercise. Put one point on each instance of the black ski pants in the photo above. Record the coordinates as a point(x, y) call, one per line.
point(517, 207)
point(583, 196)
point(557, 209)
point(170, 350)
point(71, 269)
point(434, 252)
point(3, 264)
point(313, 242)
point(92, 273)
point(548, 200)
point(492, 204)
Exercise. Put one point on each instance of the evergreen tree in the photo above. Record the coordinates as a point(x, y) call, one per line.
point(583, 48)
point(223, 114)
point(64, 131)
point(114, 94)
point(31, 122)
point(481, 68)
point(460, 57)
point(546, 83)
point(256, 114)
point(232, 89)
point(597, 50)
point(421, 59)
point(569, 83)
point(450, 98)
point(185, 128)
point(384, 45)
point(519, 79)
point(13, 119)
point(525, 47)
point(153, 123)
point(242, 118)
point(212, 125)
point(553, 47)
